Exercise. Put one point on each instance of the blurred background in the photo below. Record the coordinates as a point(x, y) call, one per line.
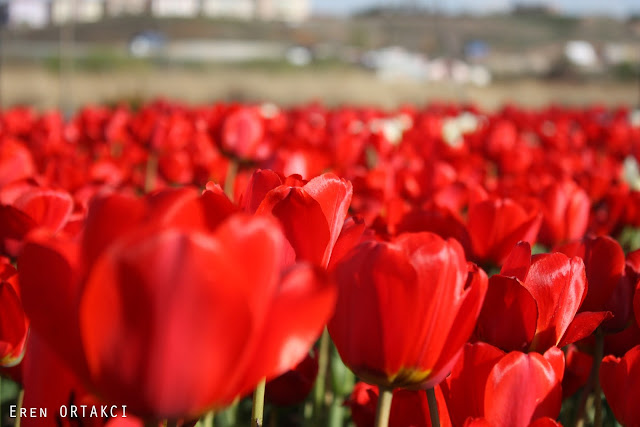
point(67, 53)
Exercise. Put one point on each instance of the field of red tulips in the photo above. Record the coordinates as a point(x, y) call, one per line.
point(237, 264)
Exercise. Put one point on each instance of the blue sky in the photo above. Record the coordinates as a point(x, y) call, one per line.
point(610, 7)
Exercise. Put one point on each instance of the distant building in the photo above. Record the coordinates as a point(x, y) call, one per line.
point(28, 13)
point(40, 13)
point(534, 9)
point(79, 10)
point(126, 7)
point(293, 11)
point(235, 9)
point(175, 8)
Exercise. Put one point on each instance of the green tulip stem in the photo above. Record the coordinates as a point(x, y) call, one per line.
point(230, 179)
point(20, 400)
point(151, 172)
point(384, 407)
point(433, 407)
point(336, 413)
point(257, 413)
point(321, 380)
point(208, 419)
point(597, 392)
point(592, 386)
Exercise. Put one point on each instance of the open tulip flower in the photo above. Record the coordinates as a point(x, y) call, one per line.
point(533, 303)
point(495, 225)
point(604, 266)
point(491, 388)
point(311, 213)
point(169, 307)
point(620, 378)
point(405, 309)
point(24, 206)
point(565, 208)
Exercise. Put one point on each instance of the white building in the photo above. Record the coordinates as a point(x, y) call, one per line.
point(175, 8)
point(28, 13)
point(293, 11)
point(234, 9)
point(79, 10)
point(126, 7)
point(39, 13)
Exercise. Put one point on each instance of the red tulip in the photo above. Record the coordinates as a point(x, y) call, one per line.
point(620, 380)
point(25, 207)
point(405, 309)
point(533, 303)
point(604, 264)
point(243, 134)
point(509, 314)
point(633, 268)
point(408, 407)
point(496, 225)
point(636, 304)
point(14, 325)
point(293, 387)
point(625, 333)
point(353, 232)
point(565, 210)
point(144, 302)
point(443, 223)
point(515, 389)
point(49, 383)
point(312, 214)
point(466, 385)
point(577, 371)
point(16, 161)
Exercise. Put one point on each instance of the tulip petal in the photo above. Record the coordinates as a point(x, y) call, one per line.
point(48, 271)
point(604, 265)
point(216, 206)
point(49, 383)
point(108, 218)
point(523, 387)
point(14, 224)
point(334, 196)
point(302, 219)
point(518, 262)
point(464, 323)
point(351, 234)
point(297, 315)
point(583, 325)
point(620, 378)
point(48, 208)
point(13, 326)
point(636, 304)
point(178, 207)
point(144, 302)
point(509, 315)
point(496, 226)
point(468, 380)
point(261, 182)
point(374, 342)
point(558, 285)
